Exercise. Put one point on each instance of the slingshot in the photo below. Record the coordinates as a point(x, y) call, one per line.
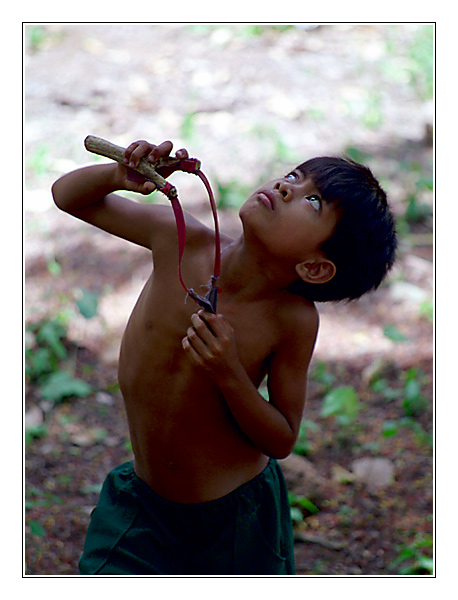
point(102, 147)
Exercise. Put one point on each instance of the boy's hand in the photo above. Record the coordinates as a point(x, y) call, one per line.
point(133, 181)
point(210, 344)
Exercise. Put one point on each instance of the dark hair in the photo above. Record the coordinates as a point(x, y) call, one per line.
point(363, 245)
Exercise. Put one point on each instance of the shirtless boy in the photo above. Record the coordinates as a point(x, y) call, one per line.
point(204, 494)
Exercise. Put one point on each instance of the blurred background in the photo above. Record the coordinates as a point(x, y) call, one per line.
point(251, 102)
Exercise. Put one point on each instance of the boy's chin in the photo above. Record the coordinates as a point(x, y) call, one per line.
point(249, 203)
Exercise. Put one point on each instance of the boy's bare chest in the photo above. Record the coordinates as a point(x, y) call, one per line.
point(159, 323)
point(255, 333)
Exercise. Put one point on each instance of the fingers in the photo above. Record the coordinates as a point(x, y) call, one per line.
point(210, 340)
point(192, 354)
point(196, 347)
point(203, 327)
point(160, 151)
point(198, 338)
point(182, 153)
point(139, 183)
point(141, 148)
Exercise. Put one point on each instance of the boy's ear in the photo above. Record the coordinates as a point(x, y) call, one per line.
point(318, 270)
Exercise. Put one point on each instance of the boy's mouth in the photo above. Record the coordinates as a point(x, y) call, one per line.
point(267, 199)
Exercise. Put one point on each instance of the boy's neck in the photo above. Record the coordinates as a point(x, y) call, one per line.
point(243, 270)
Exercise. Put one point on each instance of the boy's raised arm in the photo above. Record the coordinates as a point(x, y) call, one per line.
point(88, 194)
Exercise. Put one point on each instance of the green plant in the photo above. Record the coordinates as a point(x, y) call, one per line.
point(322, 375)
point(232, 194)
point(39, 161)
point(54, 267)
point(275, 148)
point(421, 54)
point(35, 432)
point(36, 36)
point(35, 497)
point(342, 403)
point(382, 386)
point(302, 445)
point(422, 436)
point(61, 385)
point(301, 507)
point(356, 154)
point(414, 402)
point(36, 528)
point(44, 347)
point(391, 427)
point(88, 304)
point(346, 514)
point(418, 200)
point(426, 310)
point(373, 116)
point(416, 210)
point(40, 36)
point(44, 354)
point(259, 30)
point(413, 559)
point(414, 65)
point(239, 30)
point(188, 127)
point(392, 333)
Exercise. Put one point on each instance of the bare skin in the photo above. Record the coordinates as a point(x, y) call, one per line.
point(189, 379)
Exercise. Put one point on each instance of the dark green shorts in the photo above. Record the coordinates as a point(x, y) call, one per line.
point(133, 531)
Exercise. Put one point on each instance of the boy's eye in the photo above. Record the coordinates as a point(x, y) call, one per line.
point(291, 176)
point(315, 201)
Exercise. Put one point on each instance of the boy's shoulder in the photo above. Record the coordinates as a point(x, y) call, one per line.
point(196, 234)
point(199, 233)
point(297, 328)
point(297, 317)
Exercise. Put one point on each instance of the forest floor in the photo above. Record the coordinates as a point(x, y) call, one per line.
point(377, 353)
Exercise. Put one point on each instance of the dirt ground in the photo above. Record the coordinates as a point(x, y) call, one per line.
point(262, 99)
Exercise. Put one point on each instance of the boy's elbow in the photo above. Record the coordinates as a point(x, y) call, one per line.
point(277, 455)
point(281, 453)
point(58, 196)
point(55, 194)
point(282, 449)
point(284, 442)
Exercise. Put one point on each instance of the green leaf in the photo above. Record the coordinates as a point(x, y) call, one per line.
point(308, 504)
point(296, 514)
point(50, 333)
point(302, 445)
point(35, 432)
point(54, 267)
point(38, 362)
point(88, 304)
point(37, 528)
point(393, 334)
point(342, 403)
point(61, 385)
point(389, 428)
point(412, 389)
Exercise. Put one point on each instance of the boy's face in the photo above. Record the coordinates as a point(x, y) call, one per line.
point(289, 217)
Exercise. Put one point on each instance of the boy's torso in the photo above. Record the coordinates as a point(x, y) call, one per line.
point(187, 445)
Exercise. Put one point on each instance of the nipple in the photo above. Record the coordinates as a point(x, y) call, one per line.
point(170, 464)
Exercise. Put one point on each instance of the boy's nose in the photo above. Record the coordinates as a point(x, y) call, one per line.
point(284, 190)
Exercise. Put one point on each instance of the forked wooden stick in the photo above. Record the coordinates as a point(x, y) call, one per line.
point(102, 147)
